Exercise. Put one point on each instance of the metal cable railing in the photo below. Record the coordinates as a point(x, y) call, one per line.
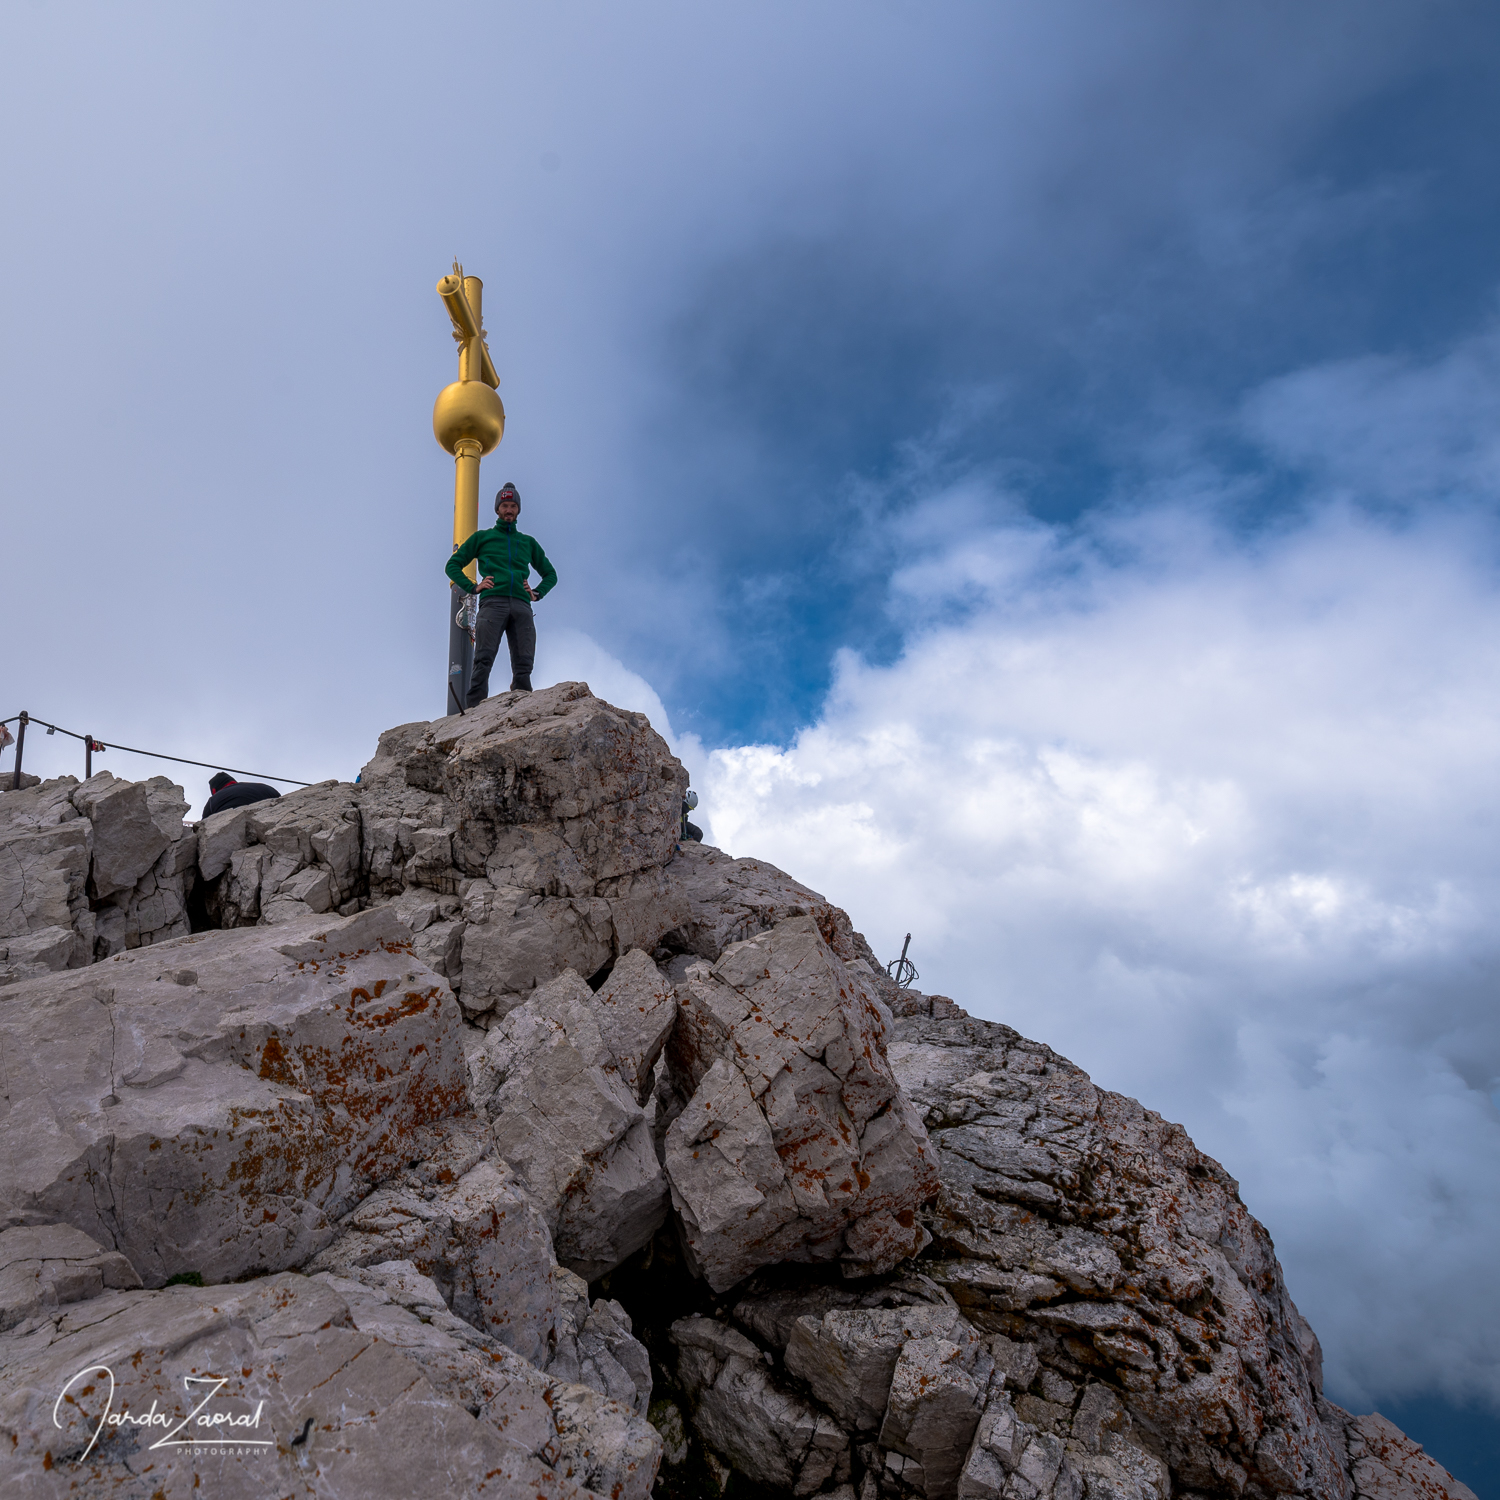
point(93, 746)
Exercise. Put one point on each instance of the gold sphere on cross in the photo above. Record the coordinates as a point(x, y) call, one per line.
point(468, 409)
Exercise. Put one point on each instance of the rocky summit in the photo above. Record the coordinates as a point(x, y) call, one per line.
point(459, 1132)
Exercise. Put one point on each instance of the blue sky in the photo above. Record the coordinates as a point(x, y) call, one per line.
point(1039, 462)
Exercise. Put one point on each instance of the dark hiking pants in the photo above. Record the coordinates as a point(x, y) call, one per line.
point(511, 618)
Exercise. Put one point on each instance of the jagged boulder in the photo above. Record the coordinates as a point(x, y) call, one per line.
point(583, 1431)
point(570, 1122)
point(769, 1433)
point(90, 869)
point(596, 1346)
point(531, 835)
point(938, 1393)
point(848, 1357)
point(456, 1213)
point(126, 839)
point(1098, 1315)
point(898, 1362)
point(43, 1266)
point(553, 815)
point(153, 908)
point(320, 1387)
point(286, 857)
point(727, 900)
point(45, 922)
point(514, 939)
point(636, 1009)
point(1075, 1220)
point(559, 790)
point(1385, 1464)
point(212, 1103)
point(43, 951)
point(794, 1144)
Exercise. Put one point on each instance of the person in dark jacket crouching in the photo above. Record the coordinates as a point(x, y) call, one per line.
point(506, 557)
point(227, 792)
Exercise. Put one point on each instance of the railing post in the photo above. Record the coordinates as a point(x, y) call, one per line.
point(88, 756)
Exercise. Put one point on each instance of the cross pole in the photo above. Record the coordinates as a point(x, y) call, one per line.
point(468, 420)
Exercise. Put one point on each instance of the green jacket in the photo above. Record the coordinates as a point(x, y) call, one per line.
point(507, 556)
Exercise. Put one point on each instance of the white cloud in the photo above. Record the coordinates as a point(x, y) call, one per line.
point(571, 656)
point(1217, 822)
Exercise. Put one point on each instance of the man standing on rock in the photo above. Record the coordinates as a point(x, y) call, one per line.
point(506, 558)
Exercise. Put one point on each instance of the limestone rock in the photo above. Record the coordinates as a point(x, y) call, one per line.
point(1099, 1310)
point(645, 904)
point(1030, 1150)
point(212, 1103)
point(769, 1434)
point(403, 832)
point(1098, 1342)
point(289, 856)
point(585, 1436)
point(395, 1302)
point(45, 923)
point(440, 947)
point(44, 951)
point(220, 838)
point(999, 1441)
point(1009, 1457)
point(121, 842)
point(126, 839)
point(552, 815)
point(168, 805)
point(569, 1123)
point(1388, 1465)
point(729, 900)
point(45, 1265)
point(605, 1444)
point(936, 1399)
point(559, 789)
point(772, 1313)
point(514, 940)
point(1010, 1460)
point(42, 876)
point(550, 819)
point(848, 1357)
point(154, 909)
point(36, 807)
point(457, 1215)
point(597, 1347)
point(319, 1406)
point(795, 1143)
point(637, 1008)
point(421, 909)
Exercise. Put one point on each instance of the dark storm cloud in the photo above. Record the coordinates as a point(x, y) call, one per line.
point(1212, 214)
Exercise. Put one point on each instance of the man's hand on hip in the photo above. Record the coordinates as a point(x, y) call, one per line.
point(484, 583)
